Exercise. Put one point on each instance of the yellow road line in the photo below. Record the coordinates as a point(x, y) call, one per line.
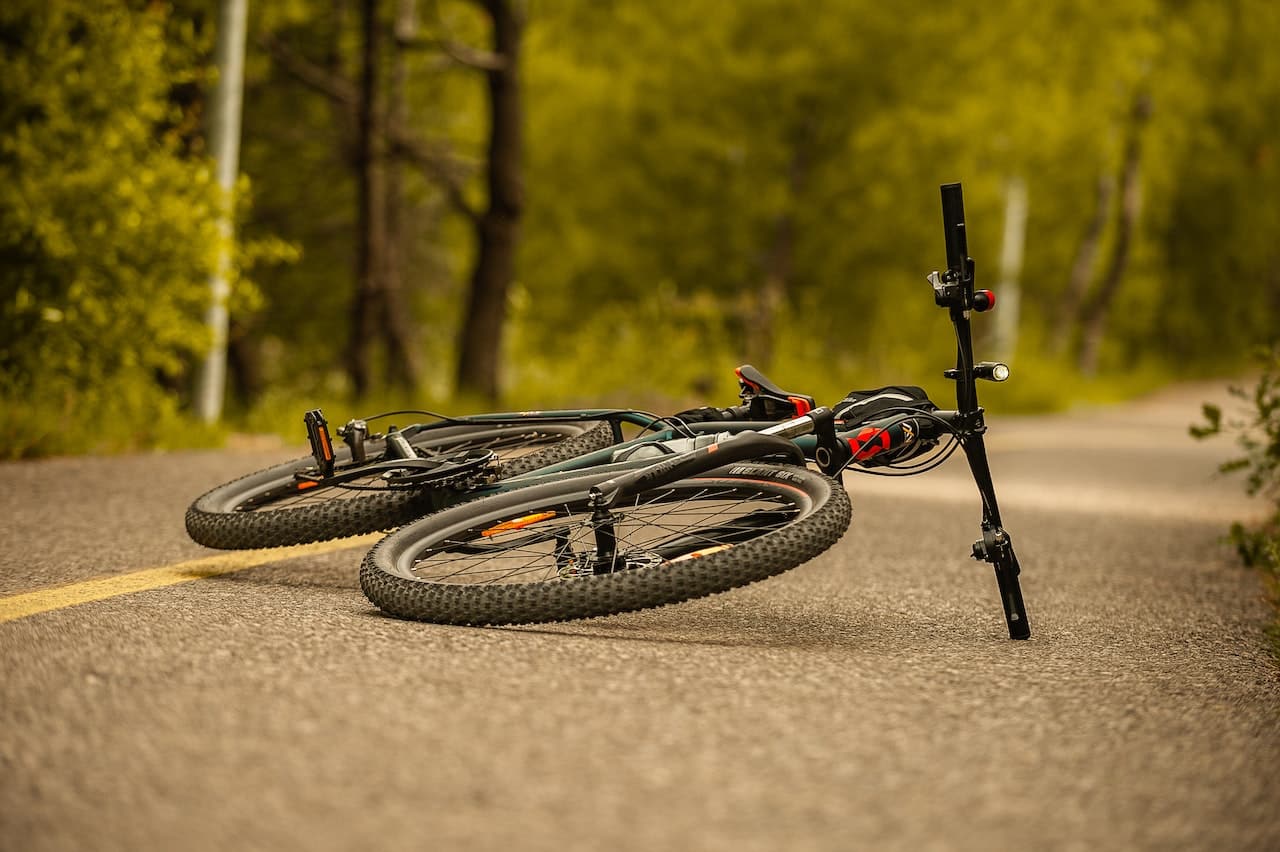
point(60, 597)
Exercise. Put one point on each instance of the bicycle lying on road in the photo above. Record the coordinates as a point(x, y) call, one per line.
point(539, 516)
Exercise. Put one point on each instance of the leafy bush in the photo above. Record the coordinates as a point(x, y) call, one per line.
point(108, 226)
point(1258, 434)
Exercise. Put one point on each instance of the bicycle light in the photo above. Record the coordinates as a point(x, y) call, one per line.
point(992, 371)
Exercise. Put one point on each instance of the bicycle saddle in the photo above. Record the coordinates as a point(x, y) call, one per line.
point(767, 400)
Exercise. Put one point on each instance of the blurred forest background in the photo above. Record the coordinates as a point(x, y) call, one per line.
point(478, 203)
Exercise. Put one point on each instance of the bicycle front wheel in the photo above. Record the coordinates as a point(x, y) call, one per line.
point(544, 554)
point(271, 508)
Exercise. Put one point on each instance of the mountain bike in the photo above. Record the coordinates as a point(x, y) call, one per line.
point(526, 517)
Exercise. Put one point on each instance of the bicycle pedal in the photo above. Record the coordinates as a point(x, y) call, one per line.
point(321, 442)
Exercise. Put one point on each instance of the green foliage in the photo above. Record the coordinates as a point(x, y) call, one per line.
point(603, 361)
point(698, 129)
point(108, 226)
point(298, 147)
point(671, 148)
point(106, 231)
point(122, 414)
point(1258, 435)
point(1216, 230)
point(690, 169)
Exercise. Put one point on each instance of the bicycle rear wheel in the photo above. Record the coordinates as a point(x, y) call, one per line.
point(268, 509)
point(535, 555)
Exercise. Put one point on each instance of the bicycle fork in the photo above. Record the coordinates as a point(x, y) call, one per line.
point(996, 546)
point(955, 291)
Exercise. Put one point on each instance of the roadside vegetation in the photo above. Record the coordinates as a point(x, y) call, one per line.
point(1256, 429)
point(461, 204)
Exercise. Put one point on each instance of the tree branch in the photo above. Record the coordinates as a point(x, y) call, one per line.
point(462, 54)
point(438, 164)
point(436, 161)
point(457, 52)
point(311, 75)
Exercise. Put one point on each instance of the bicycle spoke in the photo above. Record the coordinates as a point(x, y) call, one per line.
point(653, 528)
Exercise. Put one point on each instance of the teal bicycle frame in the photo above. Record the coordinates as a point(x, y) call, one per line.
point(800, 431)
point(813, 436)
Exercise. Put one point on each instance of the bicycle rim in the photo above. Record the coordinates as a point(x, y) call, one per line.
point(546, 555)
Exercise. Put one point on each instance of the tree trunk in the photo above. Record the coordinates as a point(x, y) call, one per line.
point(1008, 320)
point(1094, 323)
point(224, 146)
point(244, 363)
point(771, 294)
point(344, 113)
point(779, 264)
point(394, 315)
point(497, 228)
point(1082, 270)
point(371, 219)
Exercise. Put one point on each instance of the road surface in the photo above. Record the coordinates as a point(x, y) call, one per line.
point(868, 699)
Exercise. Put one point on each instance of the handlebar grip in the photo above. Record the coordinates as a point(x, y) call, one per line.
point(708, 414)
point(879, 441)
point(953, 225)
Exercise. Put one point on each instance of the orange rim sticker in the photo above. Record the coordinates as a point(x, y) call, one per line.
point(518, 523)
point(698, 554)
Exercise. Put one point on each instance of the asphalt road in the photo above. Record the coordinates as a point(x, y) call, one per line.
point(868, 699)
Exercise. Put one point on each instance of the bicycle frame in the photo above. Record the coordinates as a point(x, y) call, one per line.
point(813, 435)
point(953, 290)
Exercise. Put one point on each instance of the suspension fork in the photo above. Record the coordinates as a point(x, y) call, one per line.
point(995, 546)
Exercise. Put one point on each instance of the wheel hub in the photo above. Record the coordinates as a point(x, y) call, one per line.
point(586, 563)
